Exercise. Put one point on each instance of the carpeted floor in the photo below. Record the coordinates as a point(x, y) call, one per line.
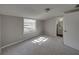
point(41, 45)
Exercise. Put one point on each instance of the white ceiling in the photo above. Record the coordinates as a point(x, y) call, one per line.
point(35, 11)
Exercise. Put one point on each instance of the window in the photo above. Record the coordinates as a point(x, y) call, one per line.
point(29, 25)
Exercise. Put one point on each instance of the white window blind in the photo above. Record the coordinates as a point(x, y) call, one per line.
point(29, 25)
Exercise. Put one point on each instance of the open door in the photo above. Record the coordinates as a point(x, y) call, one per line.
point(60, 27)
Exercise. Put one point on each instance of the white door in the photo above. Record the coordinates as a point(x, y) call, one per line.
point(0, 34)
point(71, 30)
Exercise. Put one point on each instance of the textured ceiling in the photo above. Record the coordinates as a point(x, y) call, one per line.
point(36, 11)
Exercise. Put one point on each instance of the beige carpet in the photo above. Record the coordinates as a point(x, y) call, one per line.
point(41, 45)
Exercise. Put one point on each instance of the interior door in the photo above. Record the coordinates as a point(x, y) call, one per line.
point(0, 34)
point(71, 30)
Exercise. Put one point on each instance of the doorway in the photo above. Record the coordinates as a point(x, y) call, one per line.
point(59, 29)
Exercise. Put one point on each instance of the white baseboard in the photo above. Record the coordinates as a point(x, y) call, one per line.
point(16, 42)
point(71, 46)
point(12, 43)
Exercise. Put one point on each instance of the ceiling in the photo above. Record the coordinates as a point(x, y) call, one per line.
point(35, 11)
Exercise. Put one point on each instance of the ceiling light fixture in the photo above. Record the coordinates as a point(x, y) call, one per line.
point(47, 9)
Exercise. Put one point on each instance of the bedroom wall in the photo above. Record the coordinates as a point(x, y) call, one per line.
point(50, 27)
point(12, 27)
point(39, 29)
point(0, 33)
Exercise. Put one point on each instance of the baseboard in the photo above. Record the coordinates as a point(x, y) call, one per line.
point(16, 42)
point(71, 46)
point(51, 35)
point(12, 43)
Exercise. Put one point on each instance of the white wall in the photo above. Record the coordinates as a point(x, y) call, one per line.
point(0, 34)
point(13, 30)
point(50, 26)
point(38, 31)
point(71, 25)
